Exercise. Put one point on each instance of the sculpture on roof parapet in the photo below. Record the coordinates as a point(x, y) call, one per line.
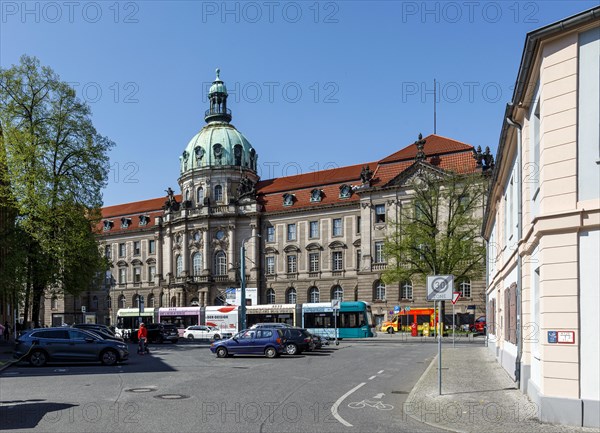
point(420, 143)
point(366, 175)
point(171, 203)
point(246, 187)
point(485, 160)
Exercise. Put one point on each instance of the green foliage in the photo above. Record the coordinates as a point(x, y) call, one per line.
point(56, 165)
point(439, 233)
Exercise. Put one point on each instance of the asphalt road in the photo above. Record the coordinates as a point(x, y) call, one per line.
point(357, 386)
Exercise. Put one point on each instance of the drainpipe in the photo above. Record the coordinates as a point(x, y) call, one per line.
point(519, 127)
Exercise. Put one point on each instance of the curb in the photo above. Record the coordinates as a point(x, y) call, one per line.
point(411, 397)
point(7, 364)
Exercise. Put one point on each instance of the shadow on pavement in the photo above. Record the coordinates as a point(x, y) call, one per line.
point(28, 415)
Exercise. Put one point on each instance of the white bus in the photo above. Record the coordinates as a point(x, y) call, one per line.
point(128, 319)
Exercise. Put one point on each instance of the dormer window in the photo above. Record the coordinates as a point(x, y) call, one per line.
point(125, 222)
point(144, 220)
point(199, 152)
point(345, 191)
point(315, 195)
point(108, 224)
point(288, 199)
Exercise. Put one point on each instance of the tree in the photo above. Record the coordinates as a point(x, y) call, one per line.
point(439, 234)
point(56, 166)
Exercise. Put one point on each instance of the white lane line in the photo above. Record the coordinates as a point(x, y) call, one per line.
point(372, 377)
point(380, 371)
point(339, 401)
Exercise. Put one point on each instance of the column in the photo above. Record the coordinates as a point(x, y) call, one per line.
point(205, 250)
point(231, 249)
point(185, 253)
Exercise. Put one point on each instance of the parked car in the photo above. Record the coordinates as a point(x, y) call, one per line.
point(479, 326)
point(94, 327)
point(262, 341)
point(158, 333)
point(270, 325)
point(319, 341)
point(42, 345)
point(202, 332)
point(297, 340)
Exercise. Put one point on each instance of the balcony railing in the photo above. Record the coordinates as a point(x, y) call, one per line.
point(379, 266)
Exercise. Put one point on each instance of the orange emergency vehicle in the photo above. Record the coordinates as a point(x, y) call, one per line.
point(404, 320)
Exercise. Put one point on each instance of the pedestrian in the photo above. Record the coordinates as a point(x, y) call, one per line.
point(6, 331)
point(142, 337)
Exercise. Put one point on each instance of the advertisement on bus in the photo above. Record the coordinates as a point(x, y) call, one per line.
point(224, 318)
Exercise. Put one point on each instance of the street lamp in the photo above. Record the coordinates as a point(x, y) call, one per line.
point(243, 280)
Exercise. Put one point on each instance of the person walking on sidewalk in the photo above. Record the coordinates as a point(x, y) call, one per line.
point(142, 338)
point(6, 331)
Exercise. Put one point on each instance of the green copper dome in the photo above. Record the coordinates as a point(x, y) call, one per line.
point(218, 86)
point(218, 144)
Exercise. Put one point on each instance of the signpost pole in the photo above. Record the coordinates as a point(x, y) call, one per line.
point(453, 320)
point(440, 352)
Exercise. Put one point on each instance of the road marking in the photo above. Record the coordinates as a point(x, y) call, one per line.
point(335, 406)
point(380, 371)
point(379, 396)
point(372, 377)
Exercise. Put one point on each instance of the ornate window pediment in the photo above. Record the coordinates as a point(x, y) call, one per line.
point(337, 245)
point(271, 250)
point(356, 243)
point(136, 262)
point(151, 261)
point(291, 249)
point(122, 263)
point(314, 246)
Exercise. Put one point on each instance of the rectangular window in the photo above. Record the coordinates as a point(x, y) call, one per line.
point(151, 246)
point(137, 275)
point(291, 232)
point(313, 229)
point(407, 290)
point(107, 252)
point(380, 213)
point(358, 259)
point(358, 225)
point(137, 249)
point(270, 234)
point(270, 265)
point(337, 261)
point(122, 250)
point(122, 275)
point(292, 264)
point(151, 273)
point(337, 227)
point(379, 257)
point(313, 262)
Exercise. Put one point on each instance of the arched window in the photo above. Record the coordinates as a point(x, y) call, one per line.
point(94, 303)
point(135, 301)
point(220, 263)
point(406, 289)
point(314, 295)
point(196, 264)
point(237, 152)
point(179, 266)
point(54, 302)
point(150, 301)
point(200, 196)
point(187, 195)
point(291, 296)
point(122, 302)
point(218, 193)
point(194, 302)
point(464, 288)
point(337, 293)
point(270, 296)
point(379, 290)
point(162, 300)
point(108, 302)
point(173, 302)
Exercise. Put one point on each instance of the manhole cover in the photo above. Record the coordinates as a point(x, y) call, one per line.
point(399, 392)
point(172, 396)
point(140, 390)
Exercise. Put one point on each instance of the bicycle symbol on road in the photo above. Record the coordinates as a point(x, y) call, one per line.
point(376, 404)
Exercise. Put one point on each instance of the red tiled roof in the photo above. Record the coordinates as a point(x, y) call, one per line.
point(434, 145)
point(151, 208)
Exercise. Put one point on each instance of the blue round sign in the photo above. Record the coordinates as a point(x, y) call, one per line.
point(407, 309)
point(397, 309)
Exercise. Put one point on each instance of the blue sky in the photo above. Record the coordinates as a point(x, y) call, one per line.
point(312, 85)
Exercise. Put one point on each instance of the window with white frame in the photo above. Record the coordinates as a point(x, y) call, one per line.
point(379, 256)
point(313, 262)
point(291, 232)
point(464, 288)
point(291, 296)
point(270, 265)
point(151, 273)
point(150, 301)
point(380, 213)
point(122, 250)
point(407, 289)
point(270, 296)
point(292, 264)
point(151, 246)
point(122, 302)
point(107, 252)
point(220, 263)
point(200, 196)
point(178, 266)
point(122, 275)
point(314, 295)
point(137, 248)
point(337, 262)
point(337, 293)
point(379, 290)
point(218, 192)
point(270, 234)
point(313, 231)
point(137, 274)
point(197, 263)
point(337, 227)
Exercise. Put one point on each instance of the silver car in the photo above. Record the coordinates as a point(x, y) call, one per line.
point(42, 345)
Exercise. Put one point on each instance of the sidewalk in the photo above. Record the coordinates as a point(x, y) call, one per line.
point(477, 396)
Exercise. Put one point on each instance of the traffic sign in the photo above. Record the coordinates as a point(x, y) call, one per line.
point(335, 304)
point(407, 309)
point(397, 309)
point(439, 287)
point(455, 296)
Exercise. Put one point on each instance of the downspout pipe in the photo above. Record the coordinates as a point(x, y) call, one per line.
point(519, 127)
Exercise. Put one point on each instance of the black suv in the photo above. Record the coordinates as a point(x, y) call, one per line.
point(297, 340)
point(158, 333)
